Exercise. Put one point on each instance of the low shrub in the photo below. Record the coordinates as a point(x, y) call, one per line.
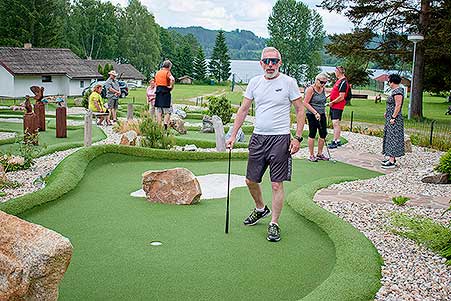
point(425, 231)
point(24, 160)
point(220, 106)
point(154, 135)
point(445, 163)
point(400, 200)
point(127, 125)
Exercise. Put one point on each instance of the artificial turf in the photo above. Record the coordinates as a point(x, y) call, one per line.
point(111, 232)
point(75, 134)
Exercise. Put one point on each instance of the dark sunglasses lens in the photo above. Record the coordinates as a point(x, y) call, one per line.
point(273, 61)
point(322, 82)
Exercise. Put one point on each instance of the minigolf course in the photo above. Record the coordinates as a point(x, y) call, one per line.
point(87, 199)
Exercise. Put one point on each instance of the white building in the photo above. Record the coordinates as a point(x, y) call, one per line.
point(127, 72)
point(58, 70)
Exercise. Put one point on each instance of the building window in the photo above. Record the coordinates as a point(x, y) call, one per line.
point(46, 79)
point(82, 84)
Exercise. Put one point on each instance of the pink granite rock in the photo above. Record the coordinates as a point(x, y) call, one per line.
point(33, 260)
point(172, 186)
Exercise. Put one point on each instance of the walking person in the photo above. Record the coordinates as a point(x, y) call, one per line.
point(314, 102)
point(337, 104)
point(164, 82)
point(113, 90)
point(271, 143)
point(150, 94)
point(393, 142)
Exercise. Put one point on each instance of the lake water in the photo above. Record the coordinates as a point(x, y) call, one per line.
point(245, 70)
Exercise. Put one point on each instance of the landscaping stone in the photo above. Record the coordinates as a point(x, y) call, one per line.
point(441, 178)
point(33, 260)
point(239, 136)
point(172, 186)
point(129, 138)
point(177, 124)
point(219, 133)
point(207, 125)
point(189, 148)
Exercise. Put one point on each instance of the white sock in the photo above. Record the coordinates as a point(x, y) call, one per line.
point(271, 223)
point(260, 209)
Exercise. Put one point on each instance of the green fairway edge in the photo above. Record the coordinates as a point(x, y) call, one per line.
point(71, 170)
point(357, 272)
point(356, 275)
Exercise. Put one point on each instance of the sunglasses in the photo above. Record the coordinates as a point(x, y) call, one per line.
point(322, 82)
point(274, 61)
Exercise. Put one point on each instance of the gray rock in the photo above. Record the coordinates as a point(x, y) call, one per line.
point(441, 178)
point(239, 136)
point(207, 125)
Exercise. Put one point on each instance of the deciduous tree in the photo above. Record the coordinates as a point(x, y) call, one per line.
point(297, 32)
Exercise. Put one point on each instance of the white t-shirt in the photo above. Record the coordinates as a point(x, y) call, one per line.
point(273, 99)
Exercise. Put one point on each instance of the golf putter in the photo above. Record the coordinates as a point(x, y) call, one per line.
point(325, 144)
point(228, 194)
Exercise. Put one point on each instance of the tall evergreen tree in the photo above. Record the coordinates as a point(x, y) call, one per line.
point(40, 23)
point(139, 39)
point(297, 32)
point(219, 65)
point(200, 65)
point(380, 35)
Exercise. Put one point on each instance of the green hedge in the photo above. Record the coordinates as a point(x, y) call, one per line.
point(71, 170)
point(357, 272)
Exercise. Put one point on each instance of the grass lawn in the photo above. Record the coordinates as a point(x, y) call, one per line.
point(180, 93)
point(111, 232)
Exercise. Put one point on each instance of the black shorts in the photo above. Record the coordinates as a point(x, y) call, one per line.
point(272, 151)
point(314, 125)
point(335, 114)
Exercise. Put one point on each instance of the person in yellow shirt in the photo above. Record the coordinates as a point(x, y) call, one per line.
point(96, 104)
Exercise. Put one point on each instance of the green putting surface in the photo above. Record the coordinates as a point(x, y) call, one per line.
point(75, 134)
point(111, 234)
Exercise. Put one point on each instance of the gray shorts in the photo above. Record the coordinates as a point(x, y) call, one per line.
point(272, 151)
point(164, 110)
point(113, 103)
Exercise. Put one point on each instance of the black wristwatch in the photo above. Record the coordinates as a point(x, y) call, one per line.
point(298, 138)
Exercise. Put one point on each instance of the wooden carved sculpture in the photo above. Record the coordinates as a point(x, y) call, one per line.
point(39, 108)
point(30, 123)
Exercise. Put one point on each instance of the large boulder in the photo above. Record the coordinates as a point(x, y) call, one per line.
point(33, 260)
point(172, 186)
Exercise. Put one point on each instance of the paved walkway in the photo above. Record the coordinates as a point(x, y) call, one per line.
point(371, 161)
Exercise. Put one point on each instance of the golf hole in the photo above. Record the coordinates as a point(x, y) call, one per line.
point(155, 243)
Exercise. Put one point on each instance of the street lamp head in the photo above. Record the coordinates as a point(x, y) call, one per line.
point(415, 38)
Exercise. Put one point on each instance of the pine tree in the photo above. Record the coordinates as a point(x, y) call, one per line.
point(200, 66)
point(219, 65)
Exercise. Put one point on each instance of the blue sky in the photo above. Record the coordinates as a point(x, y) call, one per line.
point(229, 15)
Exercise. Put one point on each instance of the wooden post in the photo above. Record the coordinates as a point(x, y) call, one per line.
point(39, 110)
point(30, 128)
point(219, 133)
point(88, 128)
point(130, 111)
point(61, 123)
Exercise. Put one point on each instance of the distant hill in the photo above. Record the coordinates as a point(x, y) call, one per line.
point(242, 44)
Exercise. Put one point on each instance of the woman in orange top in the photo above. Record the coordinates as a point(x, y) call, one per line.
point(164, 82)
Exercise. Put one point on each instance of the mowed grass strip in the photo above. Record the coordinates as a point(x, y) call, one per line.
point(111, 233)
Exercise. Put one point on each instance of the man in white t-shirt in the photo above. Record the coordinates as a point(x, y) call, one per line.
point(271, 143)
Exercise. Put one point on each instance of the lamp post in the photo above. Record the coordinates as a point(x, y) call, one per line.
point(415, 38)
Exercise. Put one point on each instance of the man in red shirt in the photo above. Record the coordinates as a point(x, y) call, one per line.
point(337, 104)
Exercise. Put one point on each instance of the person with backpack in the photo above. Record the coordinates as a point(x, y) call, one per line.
point(338, 99)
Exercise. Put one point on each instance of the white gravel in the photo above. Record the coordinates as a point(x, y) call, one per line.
point(410, 272)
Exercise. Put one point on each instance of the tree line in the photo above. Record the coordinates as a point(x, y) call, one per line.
point(93, 29)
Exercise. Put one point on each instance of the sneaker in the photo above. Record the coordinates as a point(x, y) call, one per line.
point(386, 160)
point(333, 144)
point(313, 159)
point(388, 165)
point(322, 157)
point(273, 232)
point(339, 143)
point(255, 216)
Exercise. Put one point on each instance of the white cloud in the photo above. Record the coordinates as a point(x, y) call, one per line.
point(229, 15)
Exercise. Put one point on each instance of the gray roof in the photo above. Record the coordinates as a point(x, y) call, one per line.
point(125, 71)
point(45, 61)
